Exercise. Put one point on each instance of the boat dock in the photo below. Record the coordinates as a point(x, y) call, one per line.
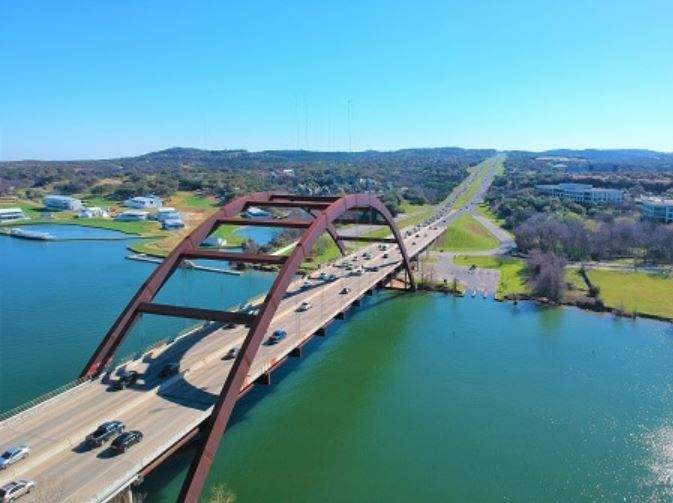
point(187, 264)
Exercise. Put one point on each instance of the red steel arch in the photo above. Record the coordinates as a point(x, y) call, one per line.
point(324, 211)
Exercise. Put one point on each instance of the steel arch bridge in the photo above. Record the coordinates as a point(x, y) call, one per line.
point(323, 213)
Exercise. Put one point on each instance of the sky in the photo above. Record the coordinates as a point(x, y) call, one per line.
point(113, 78)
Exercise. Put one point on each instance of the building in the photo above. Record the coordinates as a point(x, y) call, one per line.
point(254, 212)
point(656, 208)
point(11, 214)
point(132, 216)
point(582, 193)
point(55, 202)
point(166, 213)
point(144, 202)
point(92, 212)
point(173, 224)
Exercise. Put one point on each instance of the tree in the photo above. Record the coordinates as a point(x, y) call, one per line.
point(547, 275)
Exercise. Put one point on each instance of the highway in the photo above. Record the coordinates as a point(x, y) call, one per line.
point(167, 409)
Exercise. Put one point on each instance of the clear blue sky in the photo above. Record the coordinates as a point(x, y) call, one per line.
point(109, 78)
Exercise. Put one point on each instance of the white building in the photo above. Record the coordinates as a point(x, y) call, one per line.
point(92, 212)
point(166, 213)
point(144, 202)
point(132, 216)
point(10, 214)
point(55, 202)
point(172, 224)
point(254, 212)
point(582, 193)
point(656, 208)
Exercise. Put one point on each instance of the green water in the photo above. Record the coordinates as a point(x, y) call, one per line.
point(413, 398)
point(430, 398)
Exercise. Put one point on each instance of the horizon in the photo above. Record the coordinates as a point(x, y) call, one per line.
point(354, 152)
point(100, 81)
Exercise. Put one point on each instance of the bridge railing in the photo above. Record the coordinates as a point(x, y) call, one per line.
point(20, 409)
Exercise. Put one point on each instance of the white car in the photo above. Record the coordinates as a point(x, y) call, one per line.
point(13, 455)
point(13, 490)
point(305, 306)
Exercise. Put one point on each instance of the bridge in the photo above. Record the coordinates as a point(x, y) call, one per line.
point(172, 411)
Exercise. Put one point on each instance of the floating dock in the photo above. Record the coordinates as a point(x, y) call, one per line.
point(186, 264)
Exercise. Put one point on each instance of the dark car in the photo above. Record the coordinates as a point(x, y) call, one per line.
point(229, 326)
point(169, 369)
point(231, 354)
point(104, 433)
point(126, 440)
point(125, 380)
point(345, 290)
point(277, 336)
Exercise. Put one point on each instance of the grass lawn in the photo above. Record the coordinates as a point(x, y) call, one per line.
point(466, 234)
point(229, 232)
point(190, 200)
point(635, 291)
point(101, 202)
point(513, 274)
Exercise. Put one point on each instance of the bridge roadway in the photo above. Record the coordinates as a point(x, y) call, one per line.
point(166, 410)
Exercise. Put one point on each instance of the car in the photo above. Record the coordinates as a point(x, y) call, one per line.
point(305, 306)
point(385, 255)
point(345, 290)
point(331, 277)
point(125, 380)
point(126, 440)
point(413, 243)
point(357, 272)
point(13, 455)
point(373, 268)
point(277, 336)
point(229, 325)
point(323, 275)
point(367, 256)
point(231, 354)
point(169, 369)
point(104, 433)
point(13, 490)
point(306, 284)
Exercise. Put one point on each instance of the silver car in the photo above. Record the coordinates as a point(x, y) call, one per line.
point(13, 455)
point(13, 490)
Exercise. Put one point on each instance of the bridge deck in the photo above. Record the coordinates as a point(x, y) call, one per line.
point(165, 410)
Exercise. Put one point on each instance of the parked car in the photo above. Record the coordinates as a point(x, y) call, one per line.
point(13, 455)
point(126, 440)
point(104, 433)
point(277, 336)
point(231, 354)
point(305, 306)
point(13, 490)
point(125, 380)
point(345, 290)
point(169, 369)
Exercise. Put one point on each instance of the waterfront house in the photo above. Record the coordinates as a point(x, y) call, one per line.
point(11, 214)
point(166, 213)
point(92, 212)
point(254, 212)
point(144, 202)
point(173, 224)
point(132, 216)
point(658, 209)
point(55, 202)
point(582, 193)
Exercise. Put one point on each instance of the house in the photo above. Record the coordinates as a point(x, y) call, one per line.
point(10, 214)
point(658, 209)
point(582, 193)
point(166, 213)
point(92, 212)
point(132, 216)
point(254, 212)
point(172, 224)
point(144, 202)
point(55, 202)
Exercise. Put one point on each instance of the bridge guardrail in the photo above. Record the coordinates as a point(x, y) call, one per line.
point(4, 416)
